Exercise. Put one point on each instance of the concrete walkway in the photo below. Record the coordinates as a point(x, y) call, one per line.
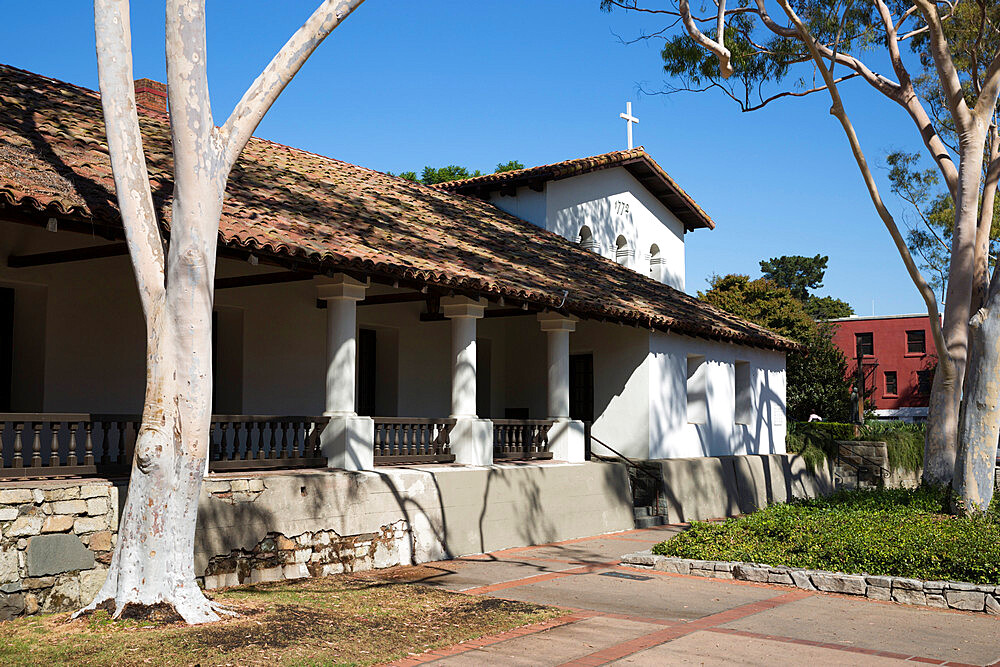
point(626, 616)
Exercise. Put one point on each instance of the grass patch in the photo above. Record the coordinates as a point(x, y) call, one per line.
point(892, 532)
point(345, 620)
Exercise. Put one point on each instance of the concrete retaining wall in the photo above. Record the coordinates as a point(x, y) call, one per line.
point(714, 487)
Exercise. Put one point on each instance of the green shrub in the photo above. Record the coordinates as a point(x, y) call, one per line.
point(814, 441)
point(888, 532)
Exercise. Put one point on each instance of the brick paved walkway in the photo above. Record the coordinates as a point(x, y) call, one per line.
point(627, 616)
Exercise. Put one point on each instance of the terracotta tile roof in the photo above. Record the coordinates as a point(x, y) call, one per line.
point(325, 214)
point(636, 161)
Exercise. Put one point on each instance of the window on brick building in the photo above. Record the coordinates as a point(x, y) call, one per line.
point(924, 380)
point(890, 383)
point(916, 342)
point(864, 343)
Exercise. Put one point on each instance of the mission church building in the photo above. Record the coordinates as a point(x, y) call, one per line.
point(364, 320)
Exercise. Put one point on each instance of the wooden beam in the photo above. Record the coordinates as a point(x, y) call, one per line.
point(383, 299)
point(262, 279)
point(64, 256)
point(489, 314)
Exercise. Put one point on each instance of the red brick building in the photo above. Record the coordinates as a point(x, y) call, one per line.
point(898, 358)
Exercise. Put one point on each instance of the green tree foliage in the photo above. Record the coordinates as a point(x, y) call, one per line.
point(801, 274)
point(513, 165)
point(931, 216)
point(815, 378)
point(453, 172)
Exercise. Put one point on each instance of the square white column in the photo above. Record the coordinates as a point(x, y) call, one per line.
point(348, 441)
point(566, 437)
point(471, 438)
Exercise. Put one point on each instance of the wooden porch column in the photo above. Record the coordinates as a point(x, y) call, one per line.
point(348, 440)
point(566, 435)
point(472, 438)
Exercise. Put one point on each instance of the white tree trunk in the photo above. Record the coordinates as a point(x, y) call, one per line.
point(153, 560)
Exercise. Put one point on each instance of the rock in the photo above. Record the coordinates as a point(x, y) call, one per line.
point(90, 584)
point(64, 596)
point(265, 574)
point(959, 586)
point(100, 541)
point(909, 596)
point(255, 485)
point(724, 566)
point(282, 543)
point(25, 525)
point(39, 582)
point(879, 593)
point(992, 605)
point(97, 506)
point(849, 584)
point(749, 572)
point(12, 587)
point(37, 496)
point(675, 565)
point(239, 485)
point(297, 571)
point(779, 578)
point(15, 496)
point(95, 490)
point(881, 582)
point(55, 554)
point(639, 558)
point(57, 523)
point(8, 513)
point(90, 525)
point(302, 555)
point(30, 603)
point(965, 600)
point(801, 579)
point(69, 507)
point(8, 566)
point(907, 584)
point(68, 493)
point(11, 605)
point(936, 600)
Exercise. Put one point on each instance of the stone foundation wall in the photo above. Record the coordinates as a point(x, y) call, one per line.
point(55, 544)
point(56, 537)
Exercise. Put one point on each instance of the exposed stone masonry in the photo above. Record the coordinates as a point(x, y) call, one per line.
point(55, 545)
point(943, 594)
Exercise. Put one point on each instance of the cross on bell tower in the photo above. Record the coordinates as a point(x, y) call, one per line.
point(629, 119)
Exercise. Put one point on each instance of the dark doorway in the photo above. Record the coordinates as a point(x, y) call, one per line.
point(581, 387)
point(6, 347)
point(366, 372)
point(484, 377)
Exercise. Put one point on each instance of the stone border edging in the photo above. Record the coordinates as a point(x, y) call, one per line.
point(941, 594)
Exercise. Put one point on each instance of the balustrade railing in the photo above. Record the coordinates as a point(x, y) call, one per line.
point(400, 440)
point(521, 439)
point(39, 445)
point(254, 442)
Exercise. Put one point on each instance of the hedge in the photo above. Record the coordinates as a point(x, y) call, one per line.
point(814, 441)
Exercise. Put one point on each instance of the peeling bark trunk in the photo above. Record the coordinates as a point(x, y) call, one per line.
point(153, 560)
point(980, 427)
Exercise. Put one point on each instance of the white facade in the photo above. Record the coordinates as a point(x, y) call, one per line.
point(611, 213)
point(78, 342)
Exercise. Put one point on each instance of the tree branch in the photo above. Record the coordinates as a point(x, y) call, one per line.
point(837, 109)
point(121, 121)
point(951, 84)
point(716, 47)
point(279, 72)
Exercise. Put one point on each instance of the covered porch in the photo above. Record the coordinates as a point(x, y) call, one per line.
point(331, 369)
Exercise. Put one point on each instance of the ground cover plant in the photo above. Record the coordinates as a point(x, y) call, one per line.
point(346, 620)
point(892, 532)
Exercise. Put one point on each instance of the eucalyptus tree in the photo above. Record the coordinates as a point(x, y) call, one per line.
point(949, 48)
point(153, 560)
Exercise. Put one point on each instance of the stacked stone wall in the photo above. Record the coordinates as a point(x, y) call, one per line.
point(55, 544)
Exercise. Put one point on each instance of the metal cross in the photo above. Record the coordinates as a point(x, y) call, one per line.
point(629, 119)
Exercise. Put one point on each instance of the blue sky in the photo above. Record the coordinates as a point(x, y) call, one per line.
point(404, 84)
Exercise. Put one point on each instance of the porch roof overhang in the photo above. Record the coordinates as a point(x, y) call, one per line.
point(314, 214)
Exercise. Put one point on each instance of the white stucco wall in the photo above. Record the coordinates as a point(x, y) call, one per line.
point(612, 203)
point(671, 433)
